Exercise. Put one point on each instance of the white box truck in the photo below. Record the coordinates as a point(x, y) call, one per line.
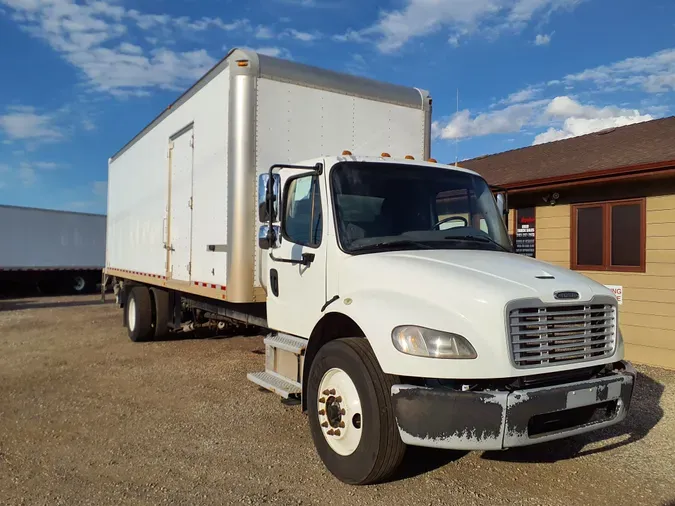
point(304, 201)
point(53, 251)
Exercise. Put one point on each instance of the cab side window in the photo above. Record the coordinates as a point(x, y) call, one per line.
point(303, 219)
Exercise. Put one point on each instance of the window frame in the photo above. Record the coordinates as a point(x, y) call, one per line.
point(285, 197)
point(607, 206)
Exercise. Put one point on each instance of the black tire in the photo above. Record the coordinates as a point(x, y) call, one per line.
point(161, 312)
point(380, 450)
point(140, 305)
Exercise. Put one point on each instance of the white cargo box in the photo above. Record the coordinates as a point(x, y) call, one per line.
point(43, 239)
point(182, 194)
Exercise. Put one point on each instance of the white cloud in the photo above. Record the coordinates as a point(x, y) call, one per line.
point(524, 95)
point(508, 120)
point(303, 36)
point(542, 39)
point(88, 125)
point(274, 51)
point(351, 36)
point(26, 173)
point(128, 48)
point(581, 119)
point(564, 117)
point(100, 39)
point(457, 17)
point(25, 123)
point(263, 32)
point(357, 65)
point(654, 73)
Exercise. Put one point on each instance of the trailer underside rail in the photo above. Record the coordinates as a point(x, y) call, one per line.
point(250, 313)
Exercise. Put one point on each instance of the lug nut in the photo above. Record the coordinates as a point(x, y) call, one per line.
point(342, 425)
point(337, 432)
point(330, 432)
point(326, 392)
point(324, 424)
point(338, 399)
point(343, 412)
point(322, 400)
point(322, 412)
point(332, 391)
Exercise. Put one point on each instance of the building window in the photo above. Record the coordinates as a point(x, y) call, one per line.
point(609, 236)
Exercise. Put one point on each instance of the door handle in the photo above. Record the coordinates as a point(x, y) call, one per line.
point(274, 282)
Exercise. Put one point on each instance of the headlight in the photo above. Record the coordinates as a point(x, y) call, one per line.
point(424, 342)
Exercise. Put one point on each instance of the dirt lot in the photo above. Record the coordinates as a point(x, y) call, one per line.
point(88, 417)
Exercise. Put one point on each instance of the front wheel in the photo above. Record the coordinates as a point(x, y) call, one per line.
point(350, 413)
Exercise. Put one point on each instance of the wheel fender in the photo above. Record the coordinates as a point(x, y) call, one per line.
point(378, 312)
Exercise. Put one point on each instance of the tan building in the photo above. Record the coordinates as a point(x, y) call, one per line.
point(603, 204)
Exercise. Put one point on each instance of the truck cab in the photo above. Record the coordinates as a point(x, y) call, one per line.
point(403, 317)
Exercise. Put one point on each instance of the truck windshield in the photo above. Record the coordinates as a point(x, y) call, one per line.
point(385, 207)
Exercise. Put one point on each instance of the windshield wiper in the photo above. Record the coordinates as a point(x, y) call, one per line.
point(393, 242)
point(476, 238)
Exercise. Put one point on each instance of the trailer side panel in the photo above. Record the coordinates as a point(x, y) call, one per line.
point(40, 239)
point(163, 202)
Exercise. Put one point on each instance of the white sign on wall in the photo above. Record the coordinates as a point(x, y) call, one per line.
point(618, 292)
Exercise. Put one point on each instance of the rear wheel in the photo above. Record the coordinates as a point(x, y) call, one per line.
point(350, 413)
point(161, 312)
point(139, 314)
point(79, 284)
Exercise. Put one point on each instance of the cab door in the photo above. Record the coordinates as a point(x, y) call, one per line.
point(296, 275)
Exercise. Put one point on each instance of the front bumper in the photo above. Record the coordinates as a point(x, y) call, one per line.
point(493, 420)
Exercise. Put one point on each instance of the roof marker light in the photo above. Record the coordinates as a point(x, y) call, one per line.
point(346, 153)
point(409, 157)
point(242, 63)
point(432, 160)
point(385, 155)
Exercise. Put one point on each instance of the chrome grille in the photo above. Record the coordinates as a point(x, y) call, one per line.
point(552, 335)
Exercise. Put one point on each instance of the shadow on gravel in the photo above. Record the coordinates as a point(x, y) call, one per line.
point(644, 413)
point(25, 304)
point(419, 460)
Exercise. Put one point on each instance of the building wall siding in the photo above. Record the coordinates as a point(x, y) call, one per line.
point(647, 315)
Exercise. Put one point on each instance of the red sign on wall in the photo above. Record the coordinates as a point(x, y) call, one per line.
point(525, 240)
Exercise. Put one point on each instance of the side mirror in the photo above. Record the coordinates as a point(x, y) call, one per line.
point(268, 197)
point(502, 204)
point(267, 240)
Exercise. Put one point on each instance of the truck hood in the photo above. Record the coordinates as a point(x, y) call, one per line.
point(501, 276)
point(461, 291)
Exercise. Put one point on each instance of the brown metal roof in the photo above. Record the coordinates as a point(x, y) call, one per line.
point(640, 145)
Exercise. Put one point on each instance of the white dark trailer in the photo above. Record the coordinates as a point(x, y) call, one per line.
point(53, 251)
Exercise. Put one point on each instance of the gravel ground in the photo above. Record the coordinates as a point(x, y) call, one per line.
point(88, 417)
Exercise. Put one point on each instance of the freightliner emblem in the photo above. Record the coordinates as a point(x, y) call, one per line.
point(568, 295)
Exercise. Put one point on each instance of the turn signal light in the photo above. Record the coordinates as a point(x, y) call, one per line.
point(346, 153)
point(409, 157)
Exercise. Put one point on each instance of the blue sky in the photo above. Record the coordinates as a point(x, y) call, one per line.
point(80, 78)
